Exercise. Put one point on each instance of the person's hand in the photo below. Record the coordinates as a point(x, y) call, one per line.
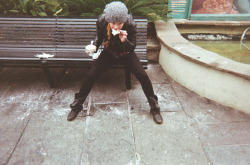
point(88, 51)
point(123, 35)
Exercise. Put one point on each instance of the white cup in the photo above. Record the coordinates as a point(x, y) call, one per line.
point(90, 49)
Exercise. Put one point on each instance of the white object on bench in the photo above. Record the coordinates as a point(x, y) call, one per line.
point(44, 56)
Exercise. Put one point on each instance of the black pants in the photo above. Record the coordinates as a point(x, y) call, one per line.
point(105, 61)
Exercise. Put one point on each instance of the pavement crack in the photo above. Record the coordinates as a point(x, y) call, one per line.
point(194, 121)
point(137, 156)
point(18, 140)
point(85, 152)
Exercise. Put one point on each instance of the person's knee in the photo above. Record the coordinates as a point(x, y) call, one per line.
point(142, 77)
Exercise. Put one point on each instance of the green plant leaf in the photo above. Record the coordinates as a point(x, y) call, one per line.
point(33, 12)
point(40, 1)
point(25, 2)
point(14, 11)
point(145, 10)
point(86, 14)
point(42, 14)
point(52, 2)
point(98, 11)
point(151, 14)
point(137, 4)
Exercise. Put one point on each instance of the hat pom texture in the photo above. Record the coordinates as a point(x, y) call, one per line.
point(116, 12)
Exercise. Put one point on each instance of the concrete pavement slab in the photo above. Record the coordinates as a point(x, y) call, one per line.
point(224, 133)
point(109, 138)
point(50, 139)
point(173, 142)
point(206, 111)
point(23, 92)
point(228, 154)
point(14, 118)
point(156, 74)
point(166, 98)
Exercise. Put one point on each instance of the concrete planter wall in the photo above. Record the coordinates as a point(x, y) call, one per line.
point(206, 73)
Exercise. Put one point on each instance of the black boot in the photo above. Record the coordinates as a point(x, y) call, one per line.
point(76, 107)
point(155, 110)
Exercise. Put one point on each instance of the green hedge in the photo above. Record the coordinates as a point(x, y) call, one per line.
point(153, 9)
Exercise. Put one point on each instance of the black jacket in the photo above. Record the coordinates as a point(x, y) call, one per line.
point(115, 43)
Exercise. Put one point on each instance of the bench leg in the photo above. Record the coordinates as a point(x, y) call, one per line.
point(1, 66)
point(48, 74)
point(62, 74)
point(127, 79)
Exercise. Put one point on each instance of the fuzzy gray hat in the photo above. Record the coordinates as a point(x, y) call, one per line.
point(116, 12)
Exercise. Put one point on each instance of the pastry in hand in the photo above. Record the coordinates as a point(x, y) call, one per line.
point(115, 32)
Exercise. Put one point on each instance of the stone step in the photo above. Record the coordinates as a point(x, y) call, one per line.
point(153, 47)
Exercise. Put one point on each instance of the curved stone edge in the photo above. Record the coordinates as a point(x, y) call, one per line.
point(206, 73)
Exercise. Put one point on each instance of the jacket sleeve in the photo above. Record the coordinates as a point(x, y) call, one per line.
point(99, 35)
point(130, 42)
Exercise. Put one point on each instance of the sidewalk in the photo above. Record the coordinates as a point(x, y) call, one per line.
point(118, 129)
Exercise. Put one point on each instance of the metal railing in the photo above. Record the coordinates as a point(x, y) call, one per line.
point(242, 38)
